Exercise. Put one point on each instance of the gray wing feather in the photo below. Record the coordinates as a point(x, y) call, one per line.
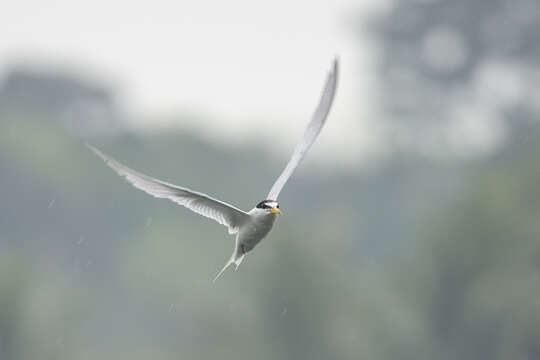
point(202, 204)
point(312, 131)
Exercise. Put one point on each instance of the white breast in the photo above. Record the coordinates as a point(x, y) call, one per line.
point(252, 232)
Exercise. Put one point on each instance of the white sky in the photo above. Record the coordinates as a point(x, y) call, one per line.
point(246, 66)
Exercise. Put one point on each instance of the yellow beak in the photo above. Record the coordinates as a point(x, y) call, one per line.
point(274, 210)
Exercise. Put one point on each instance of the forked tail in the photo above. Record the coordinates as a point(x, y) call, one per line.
point(233, 260)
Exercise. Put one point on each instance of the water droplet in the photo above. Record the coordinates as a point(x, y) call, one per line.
point(51, 203)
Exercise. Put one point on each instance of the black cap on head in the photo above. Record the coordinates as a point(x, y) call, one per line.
point(265, 204)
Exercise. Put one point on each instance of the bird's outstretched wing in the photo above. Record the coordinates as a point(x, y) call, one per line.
point(202, 204)
point(313, 129)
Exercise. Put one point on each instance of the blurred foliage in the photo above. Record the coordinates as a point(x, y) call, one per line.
point(473, 283)
point(419, 257)
point(453, 72)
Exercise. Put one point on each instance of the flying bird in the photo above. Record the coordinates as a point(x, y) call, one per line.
point(249, 227)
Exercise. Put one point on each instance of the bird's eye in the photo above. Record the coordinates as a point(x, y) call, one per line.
point(277, 206)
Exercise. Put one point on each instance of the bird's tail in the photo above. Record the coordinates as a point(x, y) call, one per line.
point(236, 260)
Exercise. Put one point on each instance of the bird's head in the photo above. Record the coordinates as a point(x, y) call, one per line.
point(270, 206)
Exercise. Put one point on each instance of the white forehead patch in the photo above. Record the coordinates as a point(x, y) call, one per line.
point(267, 204)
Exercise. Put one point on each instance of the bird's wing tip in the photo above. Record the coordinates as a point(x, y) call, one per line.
point(335, 63)
point(98, 153)
point(93, 149)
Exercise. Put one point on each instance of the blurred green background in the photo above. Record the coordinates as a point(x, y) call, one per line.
point(429, 250)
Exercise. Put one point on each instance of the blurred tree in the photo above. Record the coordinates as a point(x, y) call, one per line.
point(460, 77)
point(474, 284)
point(83, 107)
point(450, 70)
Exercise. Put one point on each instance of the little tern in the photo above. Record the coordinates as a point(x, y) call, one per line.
point(249, 227)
